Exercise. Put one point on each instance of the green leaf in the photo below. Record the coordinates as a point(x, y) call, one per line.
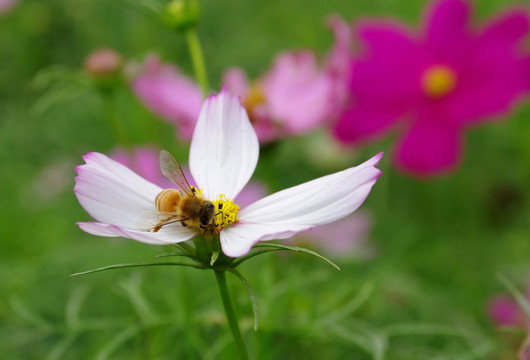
point(354, 304)
point(299, 249)
point(250, 294)
point(73, 306)
point(251, 255)
point(179, 253)
point(130, 265)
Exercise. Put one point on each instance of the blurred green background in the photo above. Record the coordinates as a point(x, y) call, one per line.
point(438, 244)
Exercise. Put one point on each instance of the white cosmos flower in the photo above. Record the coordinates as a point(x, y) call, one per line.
point(223, 156)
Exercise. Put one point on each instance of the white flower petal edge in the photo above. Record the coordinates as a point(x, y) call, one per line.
point(287, 212)
point(224, 150)
point(169, 234)
point(119, 198)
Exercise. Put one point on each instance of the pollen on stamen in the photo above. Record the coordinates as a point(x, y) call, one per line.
point(225, 212)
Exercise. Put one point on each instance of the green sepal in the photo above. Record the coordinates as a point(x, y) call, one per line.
point(278, 247)
point(130, 265)
point(250, 294)
point(215, 256)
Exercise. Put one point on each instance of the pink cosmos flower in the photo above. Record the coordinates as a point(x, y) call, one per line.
point(297, 94)
point(223, 155)
point(435, 84)
point(169, 94)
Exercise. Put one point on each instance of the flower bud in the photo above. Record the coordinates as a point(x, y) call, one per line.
point(103, 64)
point(182, 14)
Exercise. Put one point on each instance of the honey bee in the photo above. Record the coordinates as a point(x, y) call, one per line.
point(184, 205)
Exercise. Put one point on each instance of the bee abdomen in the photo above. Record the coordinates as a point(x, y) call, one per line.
point(167, 200)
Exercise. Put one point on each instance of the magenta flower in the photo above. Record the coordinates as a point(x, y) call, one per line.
point(436, 84)
point(297, 94)
point(168, 94)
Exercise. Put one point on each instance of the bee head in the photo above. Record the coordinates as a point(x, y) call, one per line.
point(207, 215)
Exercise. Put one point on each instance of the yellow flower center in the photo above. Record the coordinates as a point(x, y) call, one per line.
point(438, 81)
point(225, 212)
point(255, 97)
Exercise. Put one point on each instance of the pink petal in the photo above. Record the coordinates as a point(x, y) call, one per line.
point(320, 201)
point(390, 66)
point(297, 92)
point(338, 65)
point(224, 149)
point(447, 29)
point(169, 94)
point(365, 123)
point(7, 5)
point(507, 30)
point(236, 82)
point(429, 148)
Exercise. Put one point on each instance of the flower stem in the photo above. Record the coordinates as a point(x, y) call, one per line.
point(197, 60)
point(116, 123)
point(230, 314)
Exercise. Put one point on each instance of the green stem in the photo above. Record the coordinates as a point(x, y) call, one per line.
point(197, 60)
point(118, 127)
point(230, 315)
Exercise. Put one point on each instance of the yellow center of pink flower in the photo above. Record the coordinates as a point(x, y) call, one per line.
point(255, 97)
point(438, 81)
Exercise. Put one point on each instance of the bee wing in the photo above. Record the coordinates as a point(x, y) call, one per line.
point(171, 169)
point(152, 219)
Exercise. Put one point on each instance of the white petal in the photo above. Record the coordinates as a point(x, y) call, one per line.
point(237, 240)
point(113, 194)
point(224, 149)
point(169, 234)
point(320, 201)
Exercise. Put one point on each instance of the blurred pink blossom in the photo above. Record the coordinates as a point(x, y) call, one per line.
point(7, 5)
point(437, 83)
point(168, 94)
point(345, 238)
point(296, 95)
point(504, 311)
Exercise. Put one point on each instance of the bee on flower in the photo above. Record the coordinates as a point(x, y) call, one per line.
point(223, 155)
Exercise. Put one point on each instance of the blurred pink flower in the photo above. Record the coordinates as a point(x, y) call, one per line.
point(169, 94)
point(7, 5)
point(347, 237)
point(297, 94)
point(438, 83)
point(504, 311)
